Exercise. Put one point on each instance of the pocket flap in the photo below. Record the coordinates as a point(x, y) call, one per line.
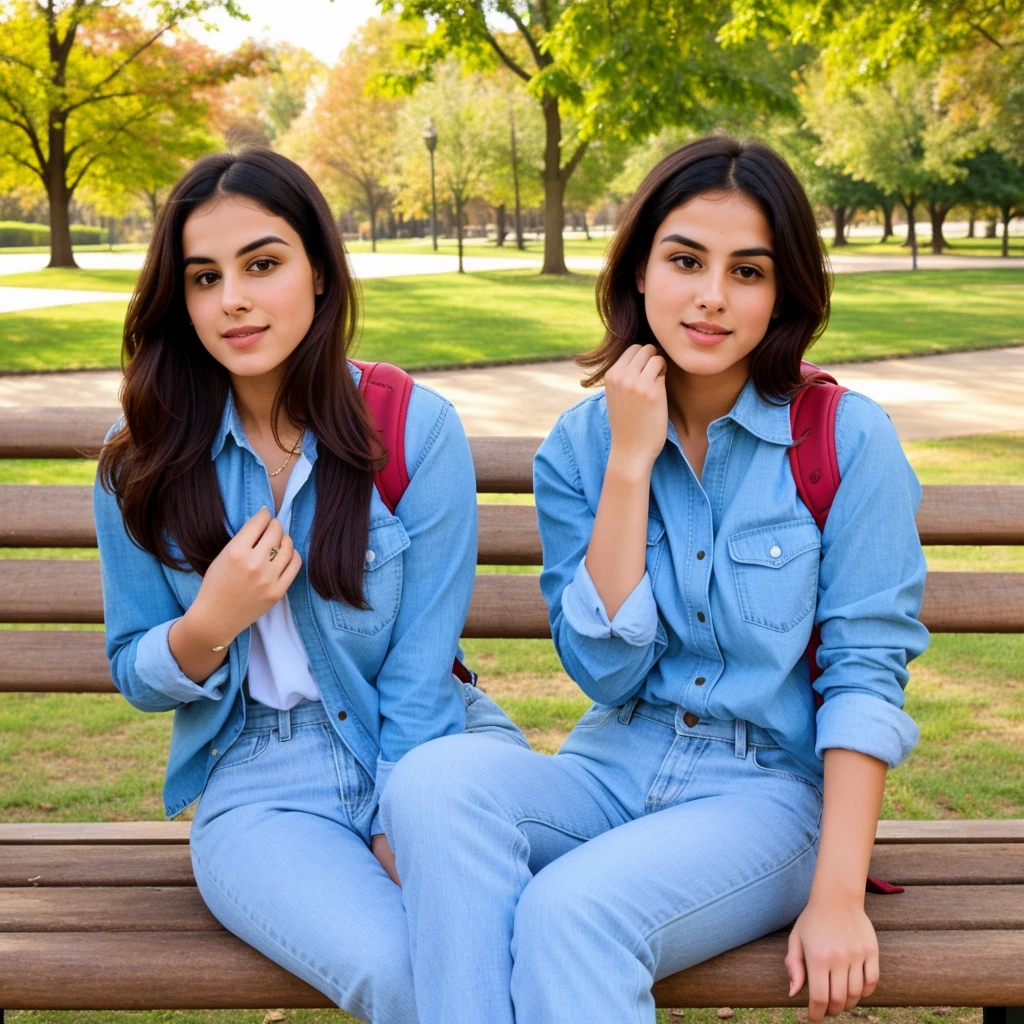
point(774, 546)
point(387, 538)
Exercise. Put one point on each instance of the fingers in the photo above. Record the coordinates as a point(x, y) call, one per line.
point(871, 973)
point(253, 528)
point(795, 964)
point(854, 985)
point(818, 990)
point(839, 979)
point(272, 537)
point(291, 570)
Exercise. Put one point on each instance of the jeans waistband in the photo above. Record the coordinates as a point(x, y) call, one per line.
point(259, 717)
point(732, 730)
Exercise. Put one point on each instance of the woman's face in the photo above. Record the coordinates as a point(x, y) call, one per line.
point(709, 282)
point(249, 286)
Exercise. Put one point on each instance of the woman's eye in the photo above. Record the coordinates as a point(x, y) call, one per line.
point(685, 261)
point(749, 273)
point(205, 278)
point(263, 264)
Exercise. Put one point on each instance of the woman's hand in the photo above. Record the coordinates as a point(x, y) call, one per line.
point(637, 406)
point(834, 949)
point(246, 579)
point(381, 849)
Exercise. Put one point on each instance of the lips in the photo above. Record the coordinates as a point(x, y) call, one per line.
point(243, 337)
point(706, 334)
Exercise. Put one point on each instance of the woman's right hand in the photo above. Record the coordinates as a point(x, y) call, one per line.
point(637, 405)
point(243, 582)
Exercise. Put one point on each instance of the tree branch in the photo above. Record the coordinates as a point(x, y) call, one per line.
point(510, 12)
point(506, 59)
point(574, 161)
point(10, 59)
point(31, 166)
point(990, 38)
point(138, 50)
point(97, 99)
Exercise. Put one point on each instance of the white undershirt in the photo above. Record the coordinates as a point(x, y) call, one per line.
point(279, 672)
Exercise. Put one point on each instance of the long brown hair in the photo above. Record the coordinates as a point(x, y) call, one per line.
point(718, 163)
point(158, 464)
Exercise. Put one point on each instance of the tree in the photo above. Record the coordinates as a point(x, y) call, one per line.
point(352, 133)
point(995, 180)
point(78, 75)
point(617, 67)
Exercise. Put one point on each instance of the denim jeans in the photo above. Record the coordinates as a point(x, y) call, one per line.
point(545, 889)
point(280, 852)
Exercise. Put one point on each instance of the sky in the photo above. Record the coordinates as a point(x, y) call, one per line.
point(321, 26)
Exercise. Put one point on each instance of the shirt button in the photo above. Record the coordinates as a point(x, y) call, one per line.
point(700, 616)
point(775, 551)
point(690, 719)
point(371, 555)
point(214, 752)
point(342, 715)
point(699, 681)
point(700, 556)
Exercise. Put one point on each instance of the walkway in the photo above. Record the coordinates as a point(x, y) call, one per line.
point(930, 396)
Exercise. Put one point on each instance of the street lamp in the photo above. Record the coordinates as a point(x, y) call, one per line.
point(430, 139)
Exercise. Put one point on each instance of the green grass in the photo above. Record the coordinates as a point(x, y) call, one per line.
point(958, 246)
point(447, 320)
point(77, 280)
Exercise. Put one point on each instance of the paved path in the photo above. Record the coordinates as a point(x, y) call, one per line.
point(931, 396)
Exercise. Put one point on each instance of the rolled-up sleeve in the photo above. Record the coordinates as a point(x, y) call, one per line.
point(139, 608)
point(609, 658)
point(871, 585)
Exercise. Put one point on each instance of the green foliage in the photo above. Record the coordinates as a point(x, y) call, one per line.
point(14, 233)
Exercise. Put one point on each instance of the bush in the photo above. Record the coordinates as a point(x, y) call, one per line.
point(17, 233)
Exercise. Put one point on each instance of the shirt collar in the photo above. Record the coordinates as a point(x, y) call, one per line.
point(231, 423)
point(764, 419)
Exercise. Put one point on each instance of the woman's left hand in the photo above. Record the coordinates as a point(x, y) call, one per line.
point(834, 949)
point(381, 849)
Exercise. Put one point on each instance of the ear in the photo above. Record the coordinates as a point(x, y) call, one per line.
point(318, 280)
point(641, 274)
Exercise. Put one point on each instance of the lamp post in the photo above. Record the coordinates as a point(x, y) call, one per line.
point(430, 139)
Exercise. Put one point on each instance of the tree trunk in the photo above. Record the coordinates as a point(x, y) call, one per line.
point(937, 212)
point(910, 206)
point(61, 253)
point(991, 228)
point(458, 228)
point(586, 226)
point(1006, 211)
point(554, 192)
point(839, 225)
point(520, 241)
point(500, 224)
point(887, 232)
point(372, 206)
point(970, 222)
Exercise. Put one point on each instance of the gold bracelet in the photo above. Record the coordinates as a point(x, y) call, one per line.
point(217, 650)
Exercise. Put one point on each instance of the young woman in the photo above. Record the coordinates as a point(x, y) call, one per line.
point(255, 582)
point(702, 801)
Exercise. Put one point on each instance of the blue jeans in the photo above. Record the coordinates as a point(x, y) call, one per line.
point(544, 889)
point(280, 852)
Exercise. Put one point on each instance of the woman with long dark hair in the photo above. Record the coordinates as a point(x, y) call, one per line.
point(255, 581)
point(705, 799)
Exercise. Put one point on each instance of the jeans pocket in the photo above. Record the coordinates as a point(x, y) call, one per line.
point(595, 716)
point(779, 764)
point(245, 750)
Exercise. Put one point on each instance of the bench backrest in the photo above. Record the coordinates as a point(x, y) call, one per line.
point(67, 591)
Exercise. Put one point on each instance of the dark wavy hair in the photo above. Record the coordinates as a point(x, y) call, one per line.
point(718, 163)
point(158, 464)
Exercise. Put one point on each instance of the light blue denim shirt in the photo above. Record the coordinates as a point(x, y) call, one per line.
point(738, 573)
point(385, 674)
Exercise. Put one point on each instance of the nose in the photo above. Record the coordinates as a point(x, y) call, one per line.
point(711, 297)
point(234, 298)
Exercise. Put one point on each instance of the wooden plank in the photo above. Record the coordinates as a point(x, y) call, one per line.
point(51, 661)
point(43, 516)
point(504, 465)
point(36, 865)
point(92, 833)
point(214, 970)
point(999, 830)
point(181, 908)
point(950, 864)
point(121, 833)
point(106, 909)
point(36, 590)
point(54, 433)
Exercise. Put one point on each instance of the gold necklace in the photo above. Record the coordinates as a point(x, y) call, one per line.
point(295, 448)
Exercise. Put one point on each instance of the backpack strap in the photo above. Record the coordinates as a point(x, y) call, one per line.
point(386, 389)
point(815, 465)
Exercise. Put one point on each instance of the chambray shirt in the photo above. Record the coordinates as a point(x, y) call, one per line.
point(737, 575)
point(384, 674)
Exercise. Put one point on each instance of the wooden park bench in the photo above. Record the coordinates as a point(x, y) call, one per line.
point(107, 916)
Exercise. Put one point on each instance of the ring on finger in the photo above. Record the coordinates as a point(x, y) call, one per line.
point(273, 553)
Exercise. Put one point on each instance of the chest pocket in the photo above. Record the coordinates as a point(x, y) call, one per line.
point(382, 581)
point(775, 569)
point(655, 545)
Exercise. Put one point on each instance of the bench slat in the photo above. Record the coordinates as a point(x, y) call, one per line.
point(181, 908)
point(40, 590)
point(54, 516)
point(38, 865)
point(114, 970)
point(949, 864)
point(945, 831)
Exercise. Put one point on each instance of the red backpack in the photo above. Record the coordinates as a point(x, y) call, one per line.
point(812, 458)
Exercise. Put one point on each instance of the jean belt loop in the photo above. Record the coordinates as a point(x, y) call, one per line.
point(284, 725)
point(628, 710)
point(741, 738)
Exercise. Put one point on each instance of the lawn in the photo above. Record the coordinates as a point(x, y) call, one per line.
point(93, 757)
point(519, 316)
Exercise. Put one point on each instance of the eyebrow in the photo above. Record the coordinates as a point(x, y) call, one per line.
point(690, 243)
point(258, 244)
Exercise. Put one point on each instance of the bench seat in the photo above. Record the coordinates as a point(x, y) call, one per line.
point(956, 936)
